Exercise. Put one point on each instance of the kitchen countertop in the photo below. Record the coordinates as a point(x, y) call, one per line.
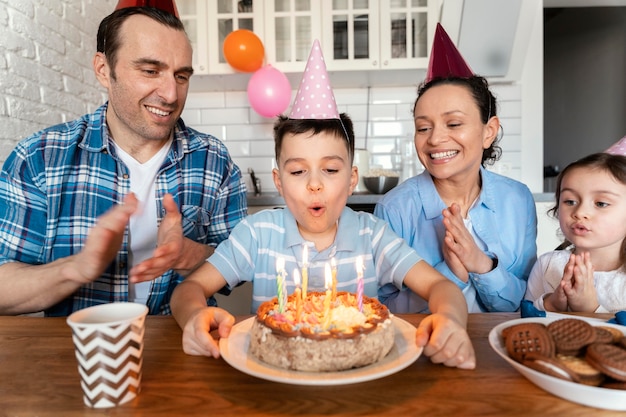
point(274, 199)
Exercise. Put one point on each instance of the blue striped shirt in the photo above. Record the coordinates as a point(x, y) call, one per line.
point(251, 251)
point(55, 184)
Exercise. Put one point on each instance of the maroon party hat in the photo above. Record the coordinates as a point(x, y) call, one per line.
point(445, 59)
point(167, 5)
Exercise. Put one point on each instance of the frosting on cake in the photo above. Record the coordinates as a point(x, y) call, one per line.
point(309, 335)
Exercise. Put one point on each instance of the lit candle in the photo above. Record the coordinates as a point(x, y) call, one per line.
point(297, 294)
point(359, 282)
point(328, 282)
point(305, 271)
point(280, 284)
point(333, 265)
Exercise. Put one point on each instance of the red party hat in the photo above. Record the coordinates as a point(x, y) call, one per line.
point(167, 5)
point(445, 59)
point(315, 98)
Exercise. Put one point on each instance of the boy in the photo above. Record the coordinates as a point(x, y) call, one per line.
point(315, 176)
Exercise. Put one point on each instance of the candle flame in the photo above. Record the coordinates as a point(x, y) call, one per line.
point(328, 276)
point(296, 277)
point(359, 265)
point(280, 264)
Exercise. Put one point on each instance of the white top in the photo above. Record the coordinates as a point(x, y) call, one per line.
point(143, 224)
point(548, 272)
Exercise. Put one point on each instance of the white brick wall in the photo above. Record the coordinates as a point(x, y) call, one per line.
point(249, 139)
point(46, 49)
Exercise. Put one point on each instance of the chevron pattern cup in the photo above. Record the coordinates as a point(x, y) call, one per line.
point(108, 341)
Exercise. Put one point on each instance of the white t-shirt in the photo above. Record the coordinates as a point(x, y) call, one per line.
point(143, 224)
point(547, 274)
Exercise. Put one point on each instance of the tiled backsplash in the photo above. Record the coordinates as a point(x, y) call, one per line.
point(387, 124)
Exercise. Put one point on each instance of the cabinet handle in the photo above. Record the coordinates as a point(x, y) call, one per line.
point(374, 63)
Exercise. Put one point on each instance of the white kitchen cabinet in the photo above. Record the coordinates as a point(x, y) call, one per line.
point(209, 22)
point(193, 15)
point(290, 28)
point(224, 17)
point(355, 34)
point(378, 34)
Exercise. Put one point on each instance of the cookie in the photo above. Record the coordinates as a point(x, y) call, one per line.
point(613, 384)
point(585, 373)
point(571, 335)
point(526, 338)
point(609, 359)
point(550, 366)
point(601, 332)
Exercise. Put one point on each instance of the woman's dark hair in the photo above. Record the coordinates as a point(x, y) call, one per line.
point(108, 40)
point(613, 164)
point(485, 100)
point(341, 128)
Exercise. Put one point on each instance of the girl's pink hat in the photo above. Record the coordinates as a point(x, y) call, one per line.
point(315, 98)
point(445, 59)
point(618, 148)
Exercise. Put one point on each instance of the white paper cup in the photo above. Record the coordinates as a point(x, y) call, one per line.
point(108, 341)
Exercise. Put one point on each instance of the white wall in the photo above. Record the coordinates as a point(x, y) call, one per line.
point(248, 136)
point(46, 49)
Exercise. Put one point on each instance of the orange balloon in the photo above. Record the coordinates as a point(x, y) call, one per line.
point(244, 50)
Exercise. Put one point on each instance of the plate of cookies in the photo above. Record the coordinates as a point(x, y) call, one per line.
point(579, 359)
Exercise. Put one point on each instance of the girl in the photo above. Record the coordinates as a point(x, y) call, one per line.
point(588, 274)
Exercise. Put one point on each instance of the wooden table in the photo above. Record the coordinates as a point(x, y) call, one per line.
point(39, 377)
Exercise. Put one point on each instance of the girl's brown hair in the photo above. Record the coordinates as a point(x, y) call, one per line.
point(613, 164)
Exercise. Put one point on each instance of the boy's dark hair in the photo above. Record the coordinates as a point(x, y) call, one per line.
point(485, 100)
point(601, 161)
point(108, 39)
point(341, 128)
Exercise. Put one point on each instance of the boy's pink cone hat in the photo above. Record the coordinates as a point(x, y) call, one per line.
point(618, 148)
point(167, 5)
point(315, 98)
point(445, 59)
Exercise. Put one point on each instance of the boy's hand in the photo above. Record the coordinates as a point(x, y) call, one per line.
point(196, 338)
point(445, 341)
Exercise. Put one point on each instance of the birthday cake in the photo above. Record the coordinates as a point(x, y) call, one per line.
point(320, 333)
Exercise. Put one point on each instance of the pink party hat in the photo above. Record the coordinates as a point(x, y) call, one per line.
point(315, 98)
point(167, 5)
point(445, 59)
point(618, 148)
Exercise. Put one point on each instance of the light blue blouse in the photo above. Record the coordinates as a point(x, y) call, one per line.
point(504, 221)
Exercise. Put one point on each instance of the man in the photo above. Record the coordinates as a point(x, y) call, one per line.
point(84, 204)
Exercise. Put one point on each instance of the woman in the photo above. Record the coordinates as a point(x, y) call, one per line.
point(476, 227)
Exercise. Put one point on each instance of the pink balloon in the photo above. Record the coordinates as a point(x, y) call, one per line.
point(269, 91)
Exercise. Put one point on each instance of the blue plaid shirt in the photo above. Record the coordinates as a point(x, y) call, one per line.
point(57, 182)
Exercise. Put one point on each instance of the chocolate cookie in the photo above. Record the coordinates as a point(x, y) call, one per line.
point(528, 338)
point(615, 333)
point(604, 335)
point(609, 359)
point(571, 335)
point(550, 366)
point(585, 373)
